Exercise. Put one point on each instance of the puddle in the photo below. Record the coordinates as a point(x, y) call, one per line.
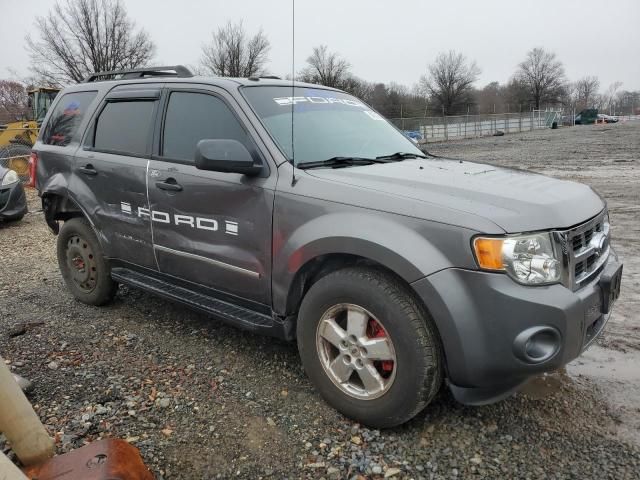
point(610, 365)
point(546, 384)
point(618, 375)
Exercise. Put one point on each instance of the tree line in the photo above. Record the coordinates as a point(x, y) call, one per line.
point(80, 37)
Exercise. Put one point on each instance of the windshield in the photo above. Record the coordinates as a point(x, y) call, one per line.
point(327, 124)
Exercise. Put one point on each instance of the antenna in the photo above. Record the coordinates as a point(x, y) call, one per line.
point(293, 78)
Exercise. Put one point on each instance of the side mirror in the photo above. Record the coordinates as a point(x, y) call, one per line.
point(229, 156)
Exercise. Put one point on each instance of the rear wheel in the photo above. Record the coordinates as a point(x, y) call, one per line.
point(82, 263)
point(369, 348)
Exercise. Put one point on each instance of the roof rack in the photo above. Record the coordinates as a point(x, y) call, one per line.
point(146, 72)
point(265, 77)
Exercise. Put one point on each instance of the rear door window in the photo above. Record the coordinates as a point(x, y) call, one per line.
point(192, 117)
point(125, 127)
point(66, 117)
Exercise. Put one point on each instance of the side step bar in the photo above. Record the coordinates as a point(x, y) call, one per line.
point(229, 313)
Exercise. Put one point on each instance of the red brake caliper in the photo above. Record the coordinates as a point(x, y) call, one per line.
point(375, 330)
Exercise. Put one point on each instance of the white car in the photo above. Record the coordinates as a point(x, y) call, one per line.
point(607, 118)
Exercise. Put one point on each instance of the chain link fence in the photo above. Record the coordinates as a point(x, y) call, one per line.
point(437, 129)
point(15, 153)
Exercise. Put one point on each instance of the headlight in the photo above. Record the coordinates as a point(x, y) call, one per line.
point(9, 178)
point(528, 259)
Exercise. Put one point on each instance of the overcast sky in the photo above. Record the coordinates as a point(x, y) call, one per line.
point(384, 40)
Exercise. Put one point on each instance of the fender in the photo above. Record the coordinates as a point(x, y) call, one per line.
point(59, 203)
point(54, 193)
point(393, 241)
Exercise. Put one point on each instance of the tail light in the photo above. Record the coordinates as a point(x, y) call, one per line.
point(33, 165)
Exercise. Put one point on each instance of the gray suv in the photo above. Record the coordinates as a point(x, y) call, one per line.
point(299, 212)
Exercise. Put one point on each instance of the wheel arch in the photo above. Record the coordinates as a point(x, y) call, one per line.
point(58, 204)
point(57, 207)
point(339, 239)
point(317, 267)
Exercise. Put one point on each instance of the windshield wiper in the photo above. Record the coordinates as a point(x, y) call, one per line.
point(341, 162)
point(400, 156)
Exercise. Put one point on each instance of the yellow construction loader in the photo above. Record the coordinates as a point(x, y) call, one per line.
point(17, 138)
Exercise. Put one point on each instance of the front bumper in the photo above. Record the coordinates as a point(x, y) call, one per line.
point(13, 201)
point(481, 318)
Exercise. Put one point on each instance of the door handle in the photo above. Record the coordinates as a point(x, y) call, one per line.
point(169, 184)
point(88, 170)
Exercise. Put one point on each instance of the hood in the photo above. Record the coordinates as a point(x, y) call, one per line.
point(515, 200)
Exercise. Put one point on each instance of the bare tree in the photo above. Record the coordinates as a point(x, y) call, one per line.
point(449, 81)
point(13, 101)
point(629, 102)
point(543, 75)
point(517, 95)
point(394, 100)
point(232, 53)
point(493, 99)
point(80, 37)
point(585, 91)
point(357, 87)
point(609, 98)
point(326, 68)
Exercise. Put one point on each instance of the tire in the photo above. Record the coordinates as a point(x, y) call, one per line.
point(82, 263)
point(404, 385)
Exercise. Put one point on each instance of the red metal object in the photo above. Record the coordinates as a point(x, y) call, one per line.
point(109, 459)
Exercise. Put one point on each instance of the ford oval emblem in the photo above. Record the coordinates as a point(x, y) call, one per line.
point(599, 244)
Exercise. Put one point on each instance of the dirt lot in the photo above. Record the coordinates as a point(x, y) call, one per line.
point(202, 400)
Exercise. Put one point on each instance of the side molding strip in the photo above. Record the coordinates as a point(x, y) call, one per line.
point(217, 263)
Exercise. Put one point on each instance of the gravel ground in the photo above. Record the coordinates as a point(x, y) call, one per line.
point(202, 400)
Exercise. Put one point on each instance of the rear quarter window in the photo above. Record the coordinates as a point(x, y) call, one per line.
point(66, 118)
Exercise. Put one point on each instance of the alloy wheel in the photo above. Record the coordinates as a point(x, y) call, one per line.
point(356, 351)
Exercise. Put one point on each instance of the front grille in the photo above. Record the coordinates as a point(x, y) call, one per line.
point(586, 248)
point(583, 239)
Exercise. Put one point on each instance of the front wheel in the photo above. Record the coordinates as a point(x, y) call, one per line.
point(82, 264)
point(369, 348)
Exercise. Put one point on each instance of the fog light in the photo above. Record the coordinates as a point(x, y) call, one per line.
point(537, 344)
